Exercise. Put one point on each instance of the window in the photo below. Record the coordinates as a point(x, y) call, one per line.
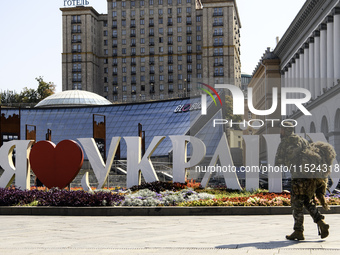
point(114, 14)
point(199, 67)
point(141, 3)
point(188, 9)
point(133, 3)
point(142, 21)
point(179, 38)
point(179, 10)
point(124, 41)
point(179, 67)
point(124, 60)
point(142, 31)
point(179, 19)
point(123, 4)
point(151, 12)
point(124, 23)
point(142, 40)
point(179, 58)
point(160, 11)
point(142, 68)
point(198, 47)
point(142, 50)
point(179, 30)
point(198, 38)
point(160, 30)
point(160, 2)
point(180, 77)
point(160, 21)
point(170, 2)
point(160, 49)
point(199, 76)
point(161, 87)
point(198, 18)
point(124, 78)
point(179, 1)
point(179, 48)
point(106, 52)
point(123, 50)
point(133, 13)
point(124, 69)
point(142, 13)
point(161, 77)
point(169, 10)
point(198, 28)
point(189, 1)
point(160, 59)
point(150, 2)
point(123, 13)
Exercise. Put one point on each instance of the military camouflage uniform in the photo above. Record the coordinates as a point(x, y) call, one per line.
point(289, 154)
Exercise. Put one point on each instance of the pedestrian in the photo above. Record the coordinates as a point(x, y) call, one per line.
point(303, 185)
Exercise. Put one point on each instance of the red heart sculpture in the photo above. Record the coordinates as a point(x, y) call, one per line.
point(56, 166)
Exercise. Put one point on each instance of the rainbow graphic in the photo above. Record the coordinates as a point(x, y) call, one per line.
point(204, 98)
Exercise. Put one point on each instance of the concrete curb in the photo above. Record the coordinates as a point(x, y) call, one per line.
point(152, 211)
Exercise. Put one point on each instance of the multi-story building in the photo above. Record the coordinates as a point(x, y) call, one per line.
point(151, 49)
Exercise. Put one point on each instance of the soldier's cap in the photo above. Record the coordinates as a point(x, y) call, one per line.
point(288, 128)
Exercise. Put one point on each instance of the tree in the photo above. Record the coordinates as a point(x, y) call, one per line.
point(229, 111)
point(28, 96)
point(44, 89)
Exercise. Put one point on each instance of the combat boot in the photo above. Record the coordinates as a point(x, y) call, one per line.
point(296, 235)
point(323, 228)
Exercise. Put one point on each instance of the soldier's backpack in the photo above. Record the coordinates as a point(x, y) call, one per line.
point(316, 164)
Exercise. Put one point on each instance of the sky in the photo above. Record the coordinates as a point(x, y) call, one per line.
point(31, 37)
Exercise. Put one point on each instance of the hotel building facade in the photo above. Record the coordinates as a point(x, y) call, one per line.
point(151, 49)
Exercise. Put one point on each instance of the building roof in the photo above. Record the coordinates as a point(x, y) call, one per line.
point(73, 98)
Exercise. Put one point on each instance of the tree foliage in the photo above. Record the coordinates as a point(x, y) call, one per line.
point(28, 95)
point(229, 111)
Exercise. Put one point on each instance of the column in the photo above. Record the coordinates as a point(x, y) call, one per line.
point(323, 57)
point(311, 71)
point(317, 85)
point(336, 13)
point(301, 69)
point(306, 66)
point(289, 83)
point(296, 77)
point(330, 51)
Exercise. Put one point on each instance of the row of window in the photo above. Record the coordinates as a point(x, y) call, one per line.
point(151, 22)
point(152, 50)
point(152, 88)
point(151, 2)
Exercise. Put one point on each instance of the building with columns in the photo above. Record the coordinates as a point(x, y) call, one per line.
point(309, 54)
point(151, 49)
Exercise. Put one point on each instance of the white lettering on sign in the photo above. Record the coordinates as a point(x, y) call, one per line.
point(76, 2)
point(187, 107)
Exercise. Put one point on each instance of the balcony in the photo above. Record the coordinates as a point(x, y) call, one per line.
point(189, 60)
point(115, 92)
point(170, 90)
point(151, 62)
point(189, 42)
point(152, 72)
point(171, 80)
point(152, 90)
point(170, 33)
point(217, 14)
point(218, 44)
point(76, 70)
point(114, 73)
point(218, 64)
point(76, 79)
point(133, 92)
point(189, 22)
point(114, 26)
point(218, 54)
point(114, 36)
point(76, 51)
point(151, 44)
point(170, 61)
point(151, 34)
point(152, 81)
point(170, 43)
point(115, 83)
point(76, 60)
point(133, 63)
point(133, 53)
point(189, 71)
point(218, 74)
point(152, 53)
point(170, 71)
point(189, 32)
point(114, 45)
point(133, 72)
point(132, 35)
point(133, 26)
point(218, 34)
point(114, 64)
point(170, 52)
point(114, 54)
point(151, 24)
point(76, 30)
point(133, 82)
point(189, 51)
point(133, 44)
point(76, 41)
point(75, 21)
point(170, 24)
point(217, 24)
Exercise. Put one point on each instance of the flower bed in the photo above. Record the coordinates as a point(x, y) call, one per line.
point(149, 194)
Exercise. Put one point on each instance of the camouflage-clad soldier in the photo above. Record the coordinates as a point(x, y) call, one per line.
point(289, 154)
